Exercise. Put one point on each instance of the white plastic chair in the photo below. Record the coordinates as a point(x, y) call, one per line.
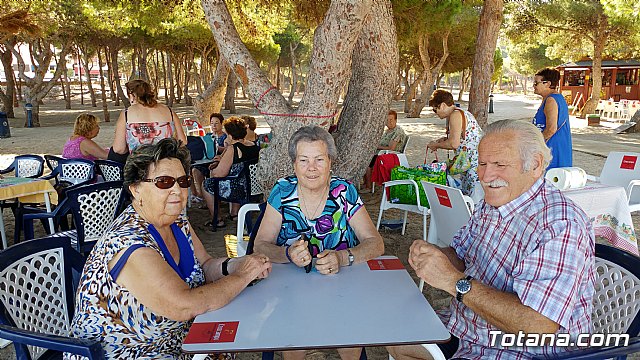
point(450, 211)
point(600, 107)
point(611, 111)
point(256, 185)
point(242, 247)
point(386, 204)
point(622, 169)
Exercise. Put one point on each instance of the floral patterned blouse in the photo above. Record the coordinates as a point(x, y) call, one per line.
point(331, 229)
point(470, 142)
point(109, 313)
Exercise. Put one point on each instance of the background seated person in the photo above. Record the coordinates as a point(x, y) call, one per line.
point(326, 210)
point(81, 145)
point(252, 124)
point(524, 261)
point(200, 172)
point(149, 275)
point(239, 150)
point(146, 121)
point(392, 139)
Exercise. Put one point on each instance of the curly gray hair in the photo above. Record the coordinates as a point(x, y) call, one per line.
point(309, 134)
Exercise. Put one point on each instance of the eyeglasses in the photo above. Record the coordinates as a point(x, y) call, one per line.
point(166, 182)
point(535, 83)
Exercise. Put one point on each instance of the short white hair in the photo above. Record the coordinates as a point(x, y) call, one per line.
point(530, 141)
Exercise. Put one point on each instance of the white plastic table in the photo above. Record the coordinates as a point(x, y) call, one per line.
point(293, 310)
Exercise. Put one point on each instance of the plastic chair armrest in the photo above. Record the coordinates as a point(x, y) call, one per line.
point(632, 184)
point(391, 183)
point(604, 352)
point(52, 175)
point(88, 348)
point(4, 171)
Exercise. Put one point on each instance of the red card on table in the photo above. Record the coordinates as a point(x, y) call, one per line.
point(212, 332)
point(385, 264)
point(443, 197)
point(628, 162)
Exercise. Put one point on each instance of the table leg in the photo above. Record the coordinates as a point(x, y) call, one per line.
point(47, 202)
point(2, 232)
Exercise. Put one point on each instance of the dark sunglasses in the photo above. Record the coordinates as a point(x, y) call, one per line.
point(166, 182)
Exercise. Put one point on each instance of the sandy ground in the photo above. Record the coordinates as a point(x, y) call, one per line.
point(57, 126)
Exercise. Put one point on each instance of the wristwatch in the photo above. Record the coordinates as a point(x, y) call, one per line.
point(351, 257)
point(463, 286)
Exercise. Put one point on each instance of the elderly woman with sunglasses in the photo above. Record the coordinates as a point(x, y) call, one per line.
point(552, 118)
point(149, 275)
point(315, 215)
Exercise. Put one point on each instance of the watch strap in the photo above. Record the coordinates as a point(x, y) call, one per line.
point(350, 257)
point(225, 269)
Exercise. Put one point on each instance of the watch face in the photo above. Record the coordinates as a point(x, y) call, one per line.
point(463, 286)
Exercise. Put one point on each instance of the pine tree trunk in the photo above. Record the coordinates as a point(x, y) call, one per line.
point(334, 41)
point(7, 98)
point(80, 66)
point(116, 76)
point(103, 90)
point(430, 71)
point(488, 30)
point(596, 70)
point(210, 101)
point(36, 87)
point(373, 79)
point(86, 57)
point(294, 75)
point(164, 80)
point(112, 92)
point(189, 57)
point(65, 86)
point(462, 84)
point(178, 75)
point(171, 85)
point(230, 95)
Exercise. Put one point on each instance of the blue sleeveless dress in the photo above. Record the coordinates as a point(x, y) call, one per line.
point(560, 143)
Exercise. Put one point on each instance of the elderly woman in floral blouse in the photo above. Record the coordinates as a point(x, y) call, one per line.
point(315, 215)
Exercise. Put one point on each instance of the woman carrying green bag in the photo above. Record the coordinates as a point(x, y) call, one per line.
point(463, 136)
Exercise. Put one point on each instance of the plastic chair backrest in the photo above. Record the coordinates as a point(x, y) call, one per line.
point(256, 185)
point(26, 166)
point(39, 279)
point(52, 161)
point(619, 169)
point(449, 211)
point(256, 227)
point(242, 215)
point(110, 170)
point(406, 144)
point(94, 207)
point(617, 297)
point(75, 171)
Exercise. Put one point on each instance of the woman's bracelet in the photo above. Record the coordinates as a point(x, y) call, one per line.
point(286, 252)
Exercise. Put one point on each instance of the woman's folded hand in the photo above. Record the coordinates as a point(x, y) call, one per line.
point(251, 267)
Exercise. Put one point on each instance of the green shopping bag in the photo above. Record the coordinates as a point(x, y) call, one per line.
point(405, 194)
